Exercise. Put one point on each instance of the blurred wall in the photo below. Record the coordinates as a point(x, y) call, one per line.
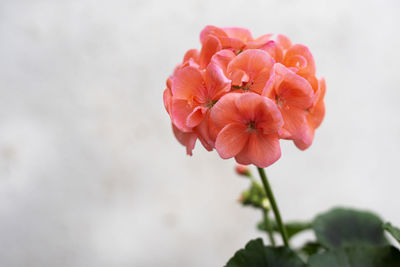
point(90, 173)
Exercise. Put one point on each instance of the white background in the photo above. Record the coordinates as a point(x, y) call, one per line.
point(90, 173)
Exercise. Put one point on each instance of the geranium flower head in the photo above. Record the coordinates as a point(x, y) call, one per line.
point(241, 95)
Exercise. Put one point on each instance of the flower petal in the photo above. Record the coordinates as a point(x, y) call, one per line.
point(242, 34)
point(261, 110)
point(211, 30)
point(300, 55)
point(256, 64)
point(295, 123)
point(180, 110)
point(259, 42)
point(292, 88)
point(211, 46)
point(231, 140)
point(203, 133)
point(284, 41)
point(307, 139)
point(274, 50)
point(225, 111)
point(216, 82)
point(222, 59)
point(186, 82)
point(186, 139)
point(261, 150)
point(167, 97)
point(195, 118)
point(192, 54)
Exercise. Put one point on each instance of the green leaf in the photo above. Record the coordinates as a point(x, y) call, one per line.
point(345, 227)
point(292, 228)
point(394, 231)
point(311, 248)
point(364, 256)
point(255, 254)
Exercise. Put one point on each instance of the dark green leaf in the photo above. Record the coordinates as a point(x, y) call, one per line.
point(394, 231)
point(292, 228)
point(255, 254)
point(311, 248)
point(345, 227)
point(386, 256)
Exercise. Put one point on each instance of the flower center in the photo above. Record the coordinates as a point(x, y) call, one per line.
point(251, 126)
point(279, 101)
point(210, 103)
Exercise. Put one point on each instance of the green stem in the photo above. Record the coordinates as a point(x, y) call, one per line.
point(268, 227)
point(274, 206)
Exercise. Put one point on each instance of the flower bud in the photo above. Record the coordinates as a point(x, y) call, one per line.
point(242, 170)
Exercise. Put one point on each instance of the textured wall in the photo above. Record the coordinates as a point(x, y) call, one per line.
point(90, 173)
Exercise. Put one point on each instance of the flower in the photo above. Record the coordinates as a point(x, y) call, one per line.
point(251, 70)
point(247, 126)
point(242, 95)
point(293, 96)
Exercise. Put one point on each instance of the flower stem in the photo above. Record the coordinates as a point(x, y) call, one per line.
point(268, 227)
point(274, 206)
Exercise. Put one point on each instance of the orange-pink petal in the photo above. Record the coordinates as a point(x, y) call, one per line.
point(211, 46)
point(216, 82)
point(180, 110)
point(300, 57)
point(225, 111)
point(186, 139)
point(186, 82)
point(295, 123)
point(196, 116)
point(241, 34)
point(223, 58)
point(231, 140)
point(262, 150)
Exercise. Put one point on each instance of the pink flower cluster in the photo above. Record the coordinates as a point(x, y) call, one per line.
point(241, 95)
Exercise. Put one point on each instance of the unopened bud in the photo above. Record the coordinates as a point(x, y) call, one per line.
point(242, 170)
point(266, 204)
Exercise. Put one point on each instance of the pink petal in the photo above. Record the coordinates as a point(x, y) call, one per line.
point(294, 89)
point(256, 64)
point(216, 82)
point(274, 50)
point(261, 110)
point(238, 77)
point(225, 111)
point(307, 139)
point(211, 30)
point(222, 58)
point(260, 80)
point(229, 43)
point(300, 55)
point(259, 42)
point(242, 34)
point(167, 97)
point(195, 118)
point(295, 123)
point(203, 133)
point(251, 61)
point(186, 82)
point(186, 139)
point(180, 110)
point(262, 150)
point(231, 140)
point(284, 41)
point(192, 54)
point(211, 46)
